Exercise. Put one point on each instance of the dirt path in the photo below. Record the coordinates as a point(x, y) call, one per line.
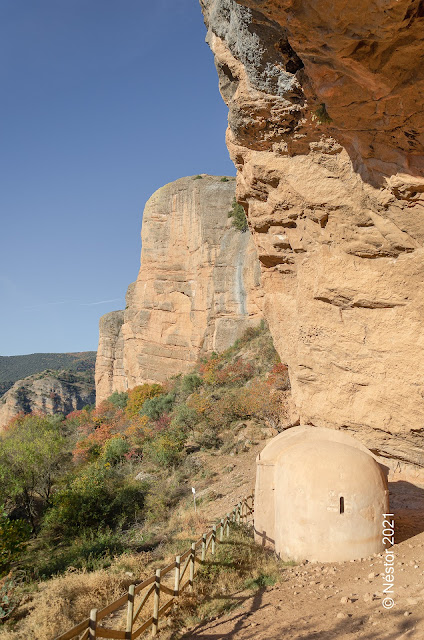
point(334, 601)
point(339, 601)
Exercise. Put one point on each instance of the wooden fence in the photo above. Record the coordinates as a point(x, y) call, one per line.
point(139, 594)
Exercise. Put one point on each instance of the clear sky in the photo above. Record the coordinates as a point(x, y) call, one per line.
point(102, 102)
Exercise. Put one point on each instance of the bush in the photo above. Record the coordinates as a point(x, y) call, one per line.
point(119, 400)
point(235, 373)
point(115, 449)
point(90, 551)
point(224, 179)
point(209, 369)
point(95, 498)
point(208, 438)
point(138, 395)
point(13, 537)
point(238, 215)
point(153, 408)
point(8, 600)
point(321, 115)
point(190, 383)
point(91, 447)
point(139, 430)
point(161, 496)
point(279, 377)
point(32, 452)
point(185, 416)
point(167, 449)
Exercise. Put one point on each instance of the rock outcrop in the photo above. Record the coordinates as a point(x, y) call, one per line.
point(198, 288)
point(326, 131)
point(49, 393)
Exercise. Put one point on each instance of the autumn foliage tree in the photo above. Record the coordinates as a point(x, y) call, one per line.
point(138, 395)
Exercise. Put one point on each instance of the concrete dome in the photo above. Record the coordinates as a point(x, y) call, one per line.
point(329, 500)
point(265, 472)
point(337, 453)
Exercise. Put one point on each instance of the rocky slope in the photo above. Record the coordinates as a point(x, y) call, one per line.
point(198, 288)
point(48, 392)
point(14, 368)
point(326, 132)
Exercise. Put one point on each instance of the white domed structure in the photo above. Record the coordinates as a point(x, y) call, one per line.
point(320, 495)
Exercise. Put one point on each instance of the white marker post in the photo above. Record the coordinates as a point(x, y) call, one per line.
point(194, 498)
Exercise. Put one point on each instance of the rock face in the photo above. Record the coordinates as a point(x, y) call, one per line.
point(198, 288)
point(326, 131)
point(55, 392)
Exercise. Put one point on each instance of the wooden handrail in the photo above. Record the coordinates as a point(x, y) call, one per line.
point(187, 560)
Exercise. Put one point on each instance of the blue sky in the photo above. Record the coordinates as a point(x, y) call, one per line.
point(103, 101)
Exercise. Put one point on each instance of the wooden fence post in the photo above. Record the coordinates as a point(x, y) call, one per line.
point(238, 513)
point(192, 561)
point(130, 612)
point(203, 547)
point(221, 531)
point(177, 576)
point(213, 540)
point(156, 599)
point(92, 625)
point(228, 524)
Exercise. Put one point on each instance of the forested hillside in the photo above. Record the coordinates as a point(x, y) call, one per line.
point(13, 368)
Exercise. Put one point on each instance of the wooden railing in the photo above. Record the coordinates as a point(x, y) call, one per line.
point(139, 594)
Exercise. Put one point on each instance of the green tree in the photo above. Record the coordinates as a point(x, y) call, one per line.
point(153, 408)
point(94, 498)
point(191, 382)
point(114, 450)
point(239, 220)
point(119, 400)
point(32, 451)
point(13, 536)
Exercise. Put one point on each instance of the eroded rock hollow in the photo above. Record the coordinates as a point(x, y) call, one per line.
point(198, 288)
point(326, 131)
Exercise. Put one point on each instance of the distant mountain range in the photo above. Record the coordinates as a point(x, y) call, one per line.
point(13, 368)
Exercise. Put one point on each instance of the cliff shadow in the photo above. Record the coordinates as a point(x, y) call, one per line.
point(407, 505)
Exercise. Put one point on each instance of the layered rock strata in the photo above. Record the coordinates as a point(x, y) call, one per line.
point(198, 288)
point(47, 393)
point(326, 131)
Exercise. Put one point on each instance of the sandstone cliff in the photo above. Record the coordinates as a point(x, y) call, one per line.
point(48, 392)
point(326, 131)
point(198, 288)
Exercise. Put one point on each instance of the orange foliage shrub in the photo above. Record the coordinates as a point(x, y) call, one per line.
point(138, 395)
point(200, 402)
point(279, 377)
point(259, 401)
point(91, 446)
point(209, 369)
point(215, 372)
point(235, 373)
point(139, 430)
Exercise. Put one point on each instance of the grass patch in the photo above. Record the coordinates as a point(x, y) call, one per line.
point(239, 565)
